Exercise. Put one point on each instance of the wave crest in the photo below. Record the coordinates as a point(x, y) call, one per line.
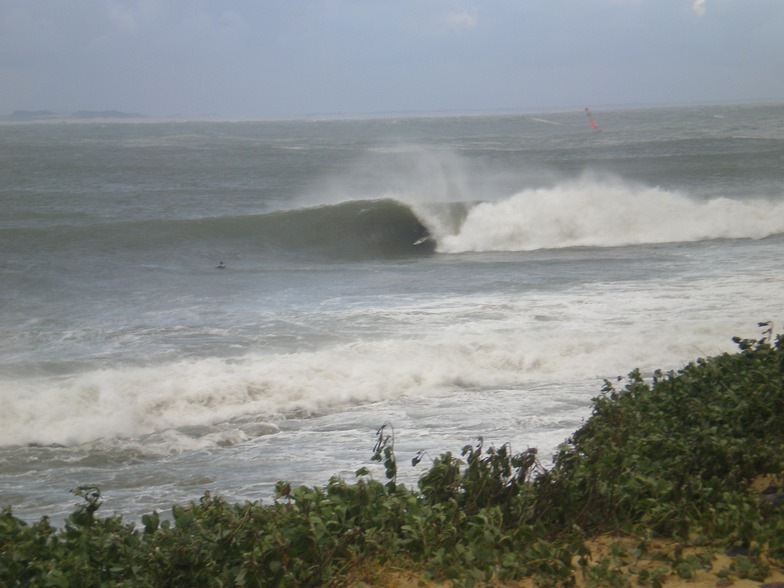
point(606, 212)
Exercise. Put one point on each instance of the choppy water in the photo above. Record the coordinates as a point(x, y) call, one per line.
point(456, 276)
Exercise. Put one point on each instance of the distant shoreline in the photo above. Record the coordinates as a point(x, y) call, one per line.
point(116, 116)
point(65, 120)
point(82, 116)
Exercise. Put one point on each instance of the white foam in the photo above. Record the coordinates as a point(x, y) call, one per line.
point(588, 333)
point(607, 212)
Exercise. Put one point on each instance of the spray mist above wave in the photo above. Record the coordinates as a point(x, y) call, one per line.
point(608, 212)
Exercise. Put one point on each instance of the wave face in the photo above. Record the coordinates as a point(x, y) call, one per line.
point(363, 228)
point(360, 229)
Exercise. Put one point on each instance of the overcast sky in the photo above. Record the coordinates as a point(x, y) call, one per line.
point(258, 58)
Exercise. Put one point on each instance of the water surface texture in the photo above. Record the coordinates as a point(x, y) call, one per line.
point(457, 277)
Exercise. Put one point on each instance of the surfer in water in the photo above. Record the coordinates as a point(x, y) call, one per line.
point(221, 265)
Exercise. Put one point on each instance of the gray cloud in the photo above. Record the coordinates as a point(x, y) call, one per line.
point(264, 57)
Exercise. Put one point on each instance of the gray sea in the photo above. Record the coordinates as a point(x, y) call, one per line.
point(454, 276)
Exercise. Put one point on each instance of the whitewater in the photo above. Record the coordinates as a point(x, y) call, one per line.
point(456, 277)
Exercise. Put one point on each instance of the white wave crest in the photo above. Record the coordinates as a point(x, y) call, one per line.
point(566, 338)
point(607, 212)
point(132, 402)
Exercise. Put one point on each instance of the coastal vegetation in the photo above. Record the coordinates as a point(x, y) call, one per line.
point(668, 472)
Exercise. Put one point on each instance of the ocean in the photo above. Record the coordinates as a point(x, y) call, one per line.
point(455, 277)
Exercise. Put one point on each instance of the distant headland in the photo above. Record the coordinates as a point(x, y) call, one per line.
point(81, 115)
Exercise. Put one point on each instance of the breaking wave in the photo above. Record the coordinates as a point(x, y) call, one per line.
point(584, 212)
point(605, 212)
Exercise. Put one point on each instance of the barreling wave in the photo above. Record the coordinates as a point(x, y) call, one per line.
point(350, 229)
point(588, 211)
point(354, 229)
